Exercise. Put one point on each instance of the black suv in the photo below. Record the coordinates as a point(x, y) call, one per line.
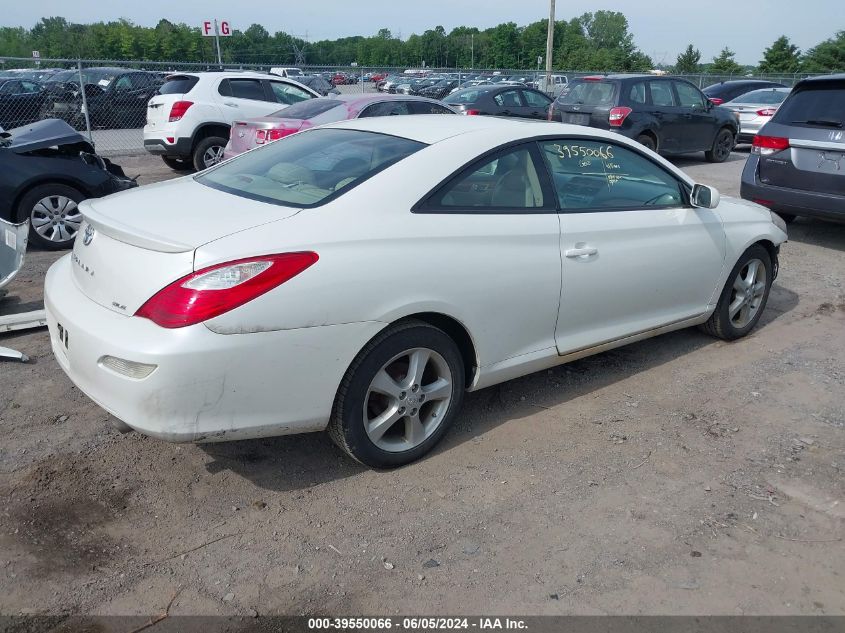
point(666, 114)
point(725, 91)
point(797, 162)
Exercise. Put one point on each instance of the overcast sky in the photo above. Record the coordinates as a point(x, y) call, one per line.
point(661, 28)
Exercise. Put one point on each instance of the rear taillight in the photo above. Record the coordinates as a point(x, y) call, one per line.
point(217, 289)
point(765, 145)
point(265, 136)
point(716, 100)
point(766, 112)
point(617, 116)
point(178, 110)
point(472, 112)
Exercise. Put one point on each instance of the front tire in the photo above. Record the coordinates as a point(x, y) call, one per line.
point(723, 145)
point(208, 152)
point(53, 214)
point(744, 296)
point(399, 396)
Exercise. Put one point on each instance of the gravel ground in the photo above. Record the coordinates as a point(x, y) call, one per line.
point(680, 475)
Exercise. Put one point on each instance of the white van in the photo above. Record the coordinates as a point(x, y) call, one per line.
point(291, 73)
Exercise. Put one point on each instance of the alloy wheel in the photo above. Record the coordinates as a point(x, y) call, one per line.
point(407, 399)
point(56, 218)
point(747, 293)
point(212, 155)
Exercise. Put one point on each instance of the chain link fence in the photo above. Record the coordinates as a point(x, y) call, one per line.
point(111, 106)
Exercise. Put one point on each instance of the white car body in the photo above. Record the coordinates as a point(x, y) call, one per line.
point(210, 112)
point(514, 282)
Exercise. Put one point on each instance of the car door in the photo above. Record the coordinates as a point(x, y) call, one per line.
point(128, 103)
point(495, 225)
point(244, 98)
point(510, 103)
point(700, 125)
point(664, 108)
point(537, 104)
point(635, 255)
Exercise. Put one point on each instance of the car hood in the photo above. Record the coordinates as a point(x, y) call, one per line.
point(44, 134)
point(177, 216)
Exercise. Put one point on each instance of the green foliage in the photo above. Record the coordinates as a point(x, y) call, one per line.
point(781, 57)
point(725, 64)
point(689, 62)
point(827, 57)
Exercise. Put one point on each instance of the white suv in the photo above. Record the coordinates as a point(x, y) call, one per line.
point(188, 122)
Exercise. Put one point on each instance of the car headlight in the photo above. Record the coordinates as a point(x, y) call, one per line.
point(778, 221)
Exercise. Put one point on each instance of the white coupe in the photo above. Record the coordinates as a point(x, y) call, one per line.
point(361, 277)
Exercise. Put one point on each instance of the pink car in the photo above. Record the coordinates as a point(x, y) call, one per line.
point(252, 133)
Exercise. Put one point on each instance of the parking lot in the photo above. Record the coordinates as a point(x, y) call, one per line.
point(679, 475)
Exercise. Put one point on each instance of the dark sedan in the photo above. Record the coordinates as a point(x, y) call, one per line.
point(20, 101)
point(46, 170)
point(116, 97)
point(439, 89)
point(666, 114)
point(729, 90)
point(513, 101)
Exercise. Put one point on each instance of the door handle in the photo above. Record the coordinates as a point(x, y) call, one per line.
point(230, 104)
point(580, 252)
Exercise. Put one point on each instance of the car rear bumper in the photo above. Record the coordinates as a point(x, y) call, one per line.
point(792, 201)
point(205, 387)
point(180, 147)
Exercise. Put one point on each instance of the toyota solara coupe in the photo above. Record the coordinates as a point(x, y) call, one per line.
point(360, 277)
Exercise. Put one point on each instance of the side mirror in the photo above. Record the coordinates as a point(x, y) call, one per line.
point(704, 197)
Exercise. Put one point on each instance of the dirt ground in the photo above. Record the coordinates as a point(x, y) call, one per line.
point(680, 475)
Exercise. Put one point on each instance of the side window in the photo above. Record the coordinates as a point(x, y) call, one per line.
point(224, 89)
point(637, 93)
point(424, 107)
point(386, 108)
point(600, 176)
point(661, 93)
point(509, 181)
point(508, 99)
point(536, 100)
point(247, 89)
point(28, 87)
point(288, 93)
point(688, 95)
point(124, 83)
point(11, 88)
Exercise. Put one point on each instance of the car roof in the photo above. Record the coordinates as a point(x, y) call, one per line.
point(434, 128)
point(834, 77)
point(363, 99)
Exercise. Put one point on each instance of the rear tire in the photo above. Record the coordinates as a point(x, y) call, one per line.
point(647, 141)
point(387, 413)
point(723, 145)
point(208, 152)
point(742, 303)
point(178, 164)
point(53, 214)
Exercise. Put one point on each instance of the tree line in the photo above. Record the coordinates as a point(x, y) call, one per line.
point(599, 41)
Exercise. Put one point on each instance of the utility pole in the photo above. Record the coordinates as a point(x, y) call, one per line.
point(550, 37)
point(472, 50)
point(217, 40)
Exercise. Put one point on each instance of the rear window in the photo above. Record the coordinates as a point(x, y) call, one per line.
point(178, 85)
point(307, 169)
point(590, 93)
point(307, 109)
point(470, 95)
point(762, 97)
point(819, 104)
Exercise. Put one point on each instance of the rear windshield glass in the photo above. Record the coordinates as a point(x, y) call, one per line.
point(307, 109)
point(821, 105)
point(305, 169)
point(762, 97)
point(591, 93)
point(470, 95)
point(179, 85)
